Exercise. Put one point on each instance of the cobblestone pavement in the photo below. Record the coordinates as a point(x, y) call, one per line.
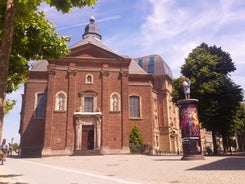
point(147, 169)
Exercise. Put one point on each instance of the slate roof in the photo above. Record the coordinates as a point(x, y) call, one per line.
point(39, 65)
point(160, 67)
point(134, 68)
point(94, 41)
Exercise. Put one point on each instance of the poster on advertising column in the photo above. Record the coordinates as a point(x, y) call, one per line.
point(190, 129)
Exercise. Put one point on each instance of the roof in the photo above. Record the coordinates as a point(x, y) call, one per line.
point(134, 68)
point(155, 65)
point(92, 40)
point(39, 65)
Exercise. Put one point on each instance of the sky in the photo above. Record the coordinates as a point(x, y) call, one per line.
point(169, 28)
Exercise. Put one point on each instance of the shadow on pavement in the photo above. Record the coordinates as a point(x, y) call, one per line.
point(10, 177)
point(229, 163)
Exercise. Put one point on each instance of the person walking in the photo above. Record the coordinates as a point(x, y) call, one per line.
point(4, 149)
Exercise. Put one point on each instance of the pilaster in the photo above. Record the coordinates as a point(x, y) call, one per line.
point(71, 73)
point(49, 108)
point(124, 110)
point(104, 75)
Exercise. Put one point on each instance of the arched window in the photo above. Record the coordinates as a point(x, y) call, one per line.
point(115, 102)
point(60, 102)
point(89, 79)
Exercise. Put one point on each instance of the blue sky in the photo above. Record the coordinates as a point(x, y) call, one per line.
point(170, 28)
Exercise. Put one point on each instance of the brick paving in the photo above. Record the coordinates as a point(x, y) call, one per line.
point(150, 169)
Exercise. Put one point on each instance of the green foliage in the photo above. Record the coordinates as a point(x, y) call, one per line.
point(15, 147)
point(177, 92)
point(66, 6)
point(239, 119)
point(9, 105)
point(135, 136)
point(136, 140)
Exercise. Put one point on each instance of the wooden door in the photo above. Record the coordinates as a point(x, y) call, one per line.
point(85, 139)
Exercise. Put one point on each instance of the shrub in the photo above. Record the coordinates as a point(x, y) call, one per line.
point(136, 140)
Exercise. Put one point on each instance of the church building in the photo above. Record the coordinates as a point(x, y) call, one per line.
point(91, 100)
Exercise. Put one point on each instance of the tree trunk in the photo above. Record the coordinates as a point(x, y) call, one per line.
point(214, 143)
point(5, 52)
point(225, 143)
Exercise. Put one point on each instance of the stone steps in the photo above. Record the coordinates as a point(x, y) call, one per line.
point(86, 153)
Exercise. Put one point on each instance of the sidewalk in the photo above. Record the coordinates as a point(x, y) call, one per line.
point(144, 169)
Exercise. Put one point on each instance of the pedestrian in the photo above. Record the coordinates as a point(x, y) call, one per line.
point(5, 147)
point(186, 87)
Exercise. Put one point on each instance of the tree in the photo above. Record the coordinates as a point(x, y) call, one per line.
point(135, 140)
point(208, 69)
point(238, 127)
point(18, 14)
point(239, 119)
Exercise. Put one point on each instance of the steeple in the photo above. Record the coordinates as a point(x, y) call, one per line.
point(92, 29)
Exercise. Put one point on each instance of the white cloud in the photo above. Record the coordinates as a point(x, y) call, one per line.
point(164, 22)
point(173, 30)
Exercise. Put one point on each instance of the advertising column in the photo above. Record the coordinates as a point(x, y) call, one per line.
point(190, 129)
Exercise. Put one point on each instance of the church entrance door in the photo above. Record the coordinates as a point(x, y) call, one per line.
point(87, 137)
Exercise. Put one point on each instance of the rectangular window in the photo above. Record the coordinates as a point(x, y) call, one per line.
point(88, 104)
point(41, 105)
point(151, 65)
point(140, 62)
point(134, 106)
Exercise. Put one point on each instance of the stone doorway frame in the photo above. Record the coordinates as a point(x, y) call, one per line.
point(87, 118)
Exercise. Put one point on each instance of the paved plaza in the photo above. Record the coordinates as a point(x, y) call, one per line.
point(132, 169)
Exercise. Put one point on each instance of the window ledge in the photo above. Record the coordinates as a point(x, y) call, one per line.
point(87, 113)
point(59, 111)
point(132, 118)
point(115, 112)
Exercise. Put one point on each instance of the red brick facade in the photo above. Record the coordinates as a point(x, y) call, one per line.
point(88, 78)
